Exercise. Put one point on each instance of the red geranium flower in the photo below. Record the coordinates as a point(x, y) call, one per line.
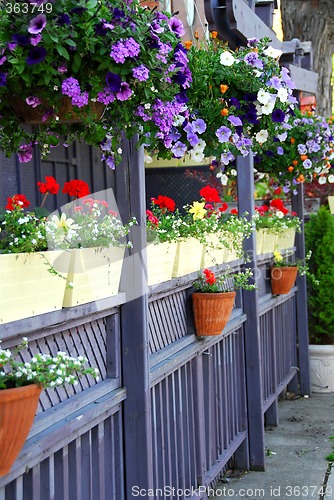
point(18, 200)
point(278, 205)
point(77, 188)
point(210, 277)
point(210, 194)
point(164, 202)
point(152, 218)
point(223, 207)
point(49, 186)
point(234, 211)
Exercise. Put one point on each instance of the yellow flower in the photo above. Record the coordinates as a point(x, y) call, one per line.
point(198, 210)
point(277, 256)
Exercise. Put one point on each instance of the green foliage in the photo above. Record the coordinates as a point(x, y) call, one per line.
point(319, 238)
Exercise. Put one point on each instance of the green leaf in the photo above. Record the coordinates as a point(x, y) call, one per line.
point(70, 42)
point(76, 63)
point(41, 212)
point(63, 52)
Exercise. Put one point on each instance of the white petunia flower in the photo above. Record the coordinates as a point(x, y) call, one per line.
point(263, 96)
point(262, 136)
point(272, 52)
point(322, 180)
point(282, 94)
point(331, 179)
point(226, 58)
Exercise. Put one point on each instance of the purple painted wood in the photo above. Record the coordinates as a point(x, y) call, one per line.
point(301, 303)
point(130, 194)
point(252, 334)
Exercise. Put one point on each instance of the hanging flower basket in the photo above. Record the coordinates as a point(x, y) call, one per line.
point(211, 312)
point(45, 113)
point(17, 413)
point(283, 279)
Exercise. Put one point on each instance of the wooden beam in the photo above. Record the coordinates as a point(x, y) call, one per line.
point(246, 23)
point(304, 79)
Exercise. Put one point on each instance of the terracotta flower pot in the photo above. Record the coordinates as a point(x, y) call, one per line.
point(17, 413)
point(283, 279)
point(211, 312)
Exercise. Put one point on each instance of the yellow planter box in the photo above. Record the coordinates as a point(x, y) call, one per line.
point(213, 253)
point(259, 241)
point(27, 288)
point(160, 262)
point(269, 241)
point(286, 240)
point(95, 274)
point(188, 257)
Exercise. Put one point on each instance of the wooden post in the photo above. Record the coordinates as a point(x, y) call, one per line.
point(130, 196)
point(301, 301)
point(245, 180)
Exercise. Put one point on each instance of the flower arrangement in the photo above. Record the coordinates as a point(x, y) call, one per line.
point(43, 369)
point(202, 218)
point(303, 153)
point(236, 99)
point(208, 282)
point(86, 222)
point(21, 231)
point(276, 217)
point(92, 71)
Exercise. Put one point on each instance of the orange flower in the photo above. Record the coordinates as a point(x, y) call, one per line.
point(292, 140)
point(223, 88)
point(294, 162)
point(291, 169)
point(224, 112)
point(214, 34)
point(188, 44)
point(196, 35)
point(303, 157)
point(300, 178)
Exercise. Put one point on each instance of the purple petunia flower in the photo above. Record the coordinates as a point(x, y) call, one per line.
point(192, 138)
point(113, 81)
point(223, 134)
point(3, 79)
point(307, 163)
point(199, 126)
point(226, 158)
point(110, 161)
point(277, 116)
point(302, 150)
point(182, 98)
point(35, 39)
point(125, 92)
point(21, 40)
point(235, 121)
point(33, 101)
point(179, 149)
point(25, 153)
point(252, 59)
point(234, 102)
point(280, 151)
point(251, 117)
point(63, 19)
point(275, 82)
point(176, 26)
point(252, 42)
point(36, 55)
point(37, 24)
point(62, 68)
